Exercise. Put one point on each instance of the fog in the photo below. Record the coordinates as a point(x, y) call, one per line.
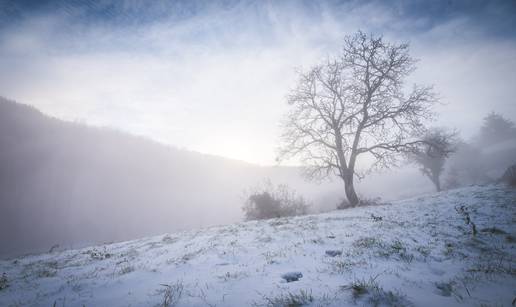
point(124, 119)
point(173, 70)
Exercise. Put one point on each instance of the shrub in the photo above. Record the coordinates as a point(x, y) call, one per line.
point(273, 202)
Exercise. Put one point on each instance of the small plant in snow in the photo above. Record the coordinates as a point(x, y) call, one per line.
point(494, 265)
point(424, 250)
point(398, 248)
point(366, 242)
point(3, 282)
point(235, 275)
point(270, 256)
point(493, 230)
point(449, 289)
point(380, 297)
point(342, 266)
point(169, 239)
point(98, 255)
point(444, 288)
point(376, 218)
point(126, 270)
point(449, 249)
point(462, 210)
point(376, 295)
point(43, 273)
point(361, 287)
point(171, 294)
point(48, 269)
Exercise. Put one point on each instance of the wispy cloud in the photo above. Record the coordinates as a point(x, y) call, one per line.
point(212, 76)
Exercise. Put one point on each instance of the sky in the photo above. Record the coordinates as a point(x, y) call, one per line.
point(212, 76)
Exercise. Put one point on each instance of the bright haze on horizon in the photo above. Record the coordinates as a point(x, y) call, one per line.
point(212, 76)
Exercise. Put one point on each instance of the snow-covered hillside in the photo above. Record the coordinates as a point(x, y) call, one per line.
point(417, 252)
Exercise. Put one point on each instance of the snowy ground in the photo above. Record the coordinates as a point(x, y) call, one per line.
point(417, 252)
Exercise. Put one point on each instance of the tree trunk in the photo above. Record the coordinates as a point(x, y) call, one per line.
point(436, 182)
point(351, 195)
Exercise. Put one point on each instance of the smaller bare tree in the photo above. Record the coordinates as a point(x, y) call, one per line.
point(495, 129)
point(431, 155)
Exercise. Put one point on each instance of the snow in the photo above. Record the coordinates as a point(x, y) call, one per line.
point(420, 252)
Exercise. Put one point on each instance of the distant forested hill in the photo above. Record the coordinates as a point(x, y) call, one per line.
point(71, 184)
point(66, 183)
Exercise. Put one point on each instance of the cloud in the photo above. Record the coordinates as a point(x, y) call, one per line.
point(213, 77)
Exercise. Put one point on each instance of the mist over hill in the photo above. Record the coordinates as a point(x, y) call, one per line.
point(70, 184)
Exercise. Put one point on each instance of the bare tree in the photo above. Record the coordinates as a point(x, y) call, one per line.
point(354, 105)
point(431, 155)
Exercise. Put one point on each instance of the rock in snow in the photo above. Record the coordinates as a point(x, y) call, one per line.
point(292, 276)
point(333, 253)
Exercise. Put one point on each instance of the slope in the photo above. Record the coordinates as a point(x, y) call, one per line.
point(416, 252)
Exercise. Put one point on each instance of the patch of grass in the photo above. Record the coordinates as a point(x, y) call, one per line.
point(360, 287)
point(44, 273)
point(47, 269)
point(271, 257)
point(96, 254)
point(130, 254)
point(494, 265)
point(510, 239)
point(376, 218)
point(380, 297)
point(444, 288)
point(232, 276)
point(465, 213)
point(424, 250)
point(448, 249)
point(494, 230)
point(448, 289)
point(371, 292)
point(367, 242)
point(171, 294)
point(397, 248)
point(126, 269)
point(169, 239)
point(342, 266)
point(186, 257)
point(290, 299)
point(317, 240)
point(278, 222)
